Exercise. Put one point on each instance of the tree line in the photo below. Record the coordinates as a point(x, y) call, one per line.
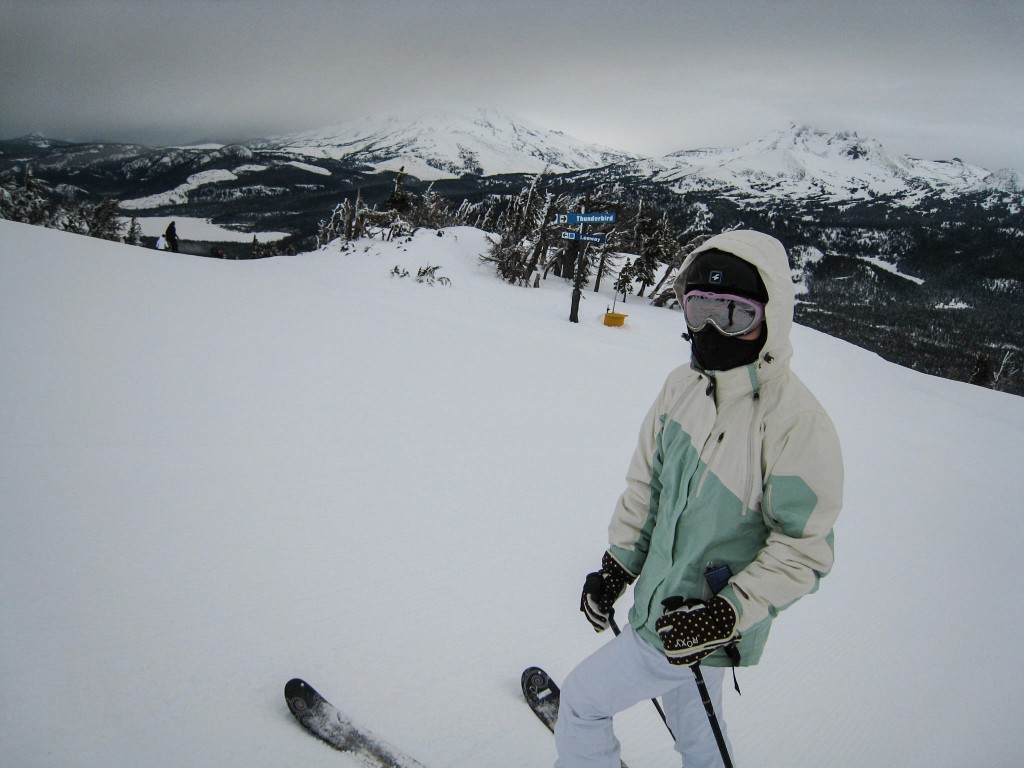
point(31, 202)
point(642, 251)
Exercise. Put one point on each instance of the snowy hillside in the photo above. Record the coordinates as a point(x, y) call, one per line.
point(806, 163)
point(218, 475)
point(440, 144)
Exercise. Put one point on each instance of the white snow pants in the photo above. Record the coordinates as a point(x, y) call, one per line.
point(618, 675)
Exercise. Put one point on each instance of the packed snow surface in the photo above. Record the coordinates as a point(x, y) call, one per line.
point(218, 475)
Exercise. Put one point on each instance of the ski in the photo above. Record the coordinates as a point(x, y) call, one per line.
point(327, 723)
point(543, 696)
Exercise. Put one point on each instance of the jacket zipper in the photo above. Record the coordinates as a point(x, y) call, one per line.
point(711, 460)
point(752, 459)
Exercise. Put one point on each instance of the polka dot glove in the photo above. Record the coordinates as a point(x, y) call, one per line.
point(601, 591)
point(692, 629)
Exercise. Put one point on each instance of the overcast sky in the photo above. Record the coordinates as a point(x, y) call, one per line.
point(937, 79)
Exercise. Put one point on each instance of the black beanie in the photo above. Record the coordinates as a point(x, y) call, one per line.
point(722, 272)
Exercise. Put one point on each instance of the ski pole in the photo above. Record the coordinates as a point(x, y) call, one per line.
point(709, 707)
point(655, 702)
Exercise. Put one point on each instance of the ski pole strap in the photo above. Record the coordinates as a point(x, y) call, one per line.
point(734, 656)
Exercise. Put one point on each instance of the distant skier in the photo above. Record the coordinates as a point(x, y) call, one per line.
point(172, 237)
point(727, 515)
point(161, 243)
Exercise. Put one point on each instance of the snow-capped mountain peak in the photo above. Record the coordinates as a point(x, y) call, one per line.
point(435, 143)
point(805, 163)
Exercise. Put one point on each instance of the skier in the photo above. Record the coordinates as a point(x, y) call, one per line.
point(727, 515)
point(172, 237)
point(161, 243)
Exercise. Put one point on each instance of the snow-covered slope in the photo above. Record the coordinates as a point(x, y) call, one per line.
point(803, 162)
point(218, 475)
point(436, 144)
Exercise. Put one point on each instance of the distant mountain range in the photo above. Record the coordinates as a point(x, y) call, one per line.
point(799, 163)
point(436, 144)
point(804, 163)
point(883, 244)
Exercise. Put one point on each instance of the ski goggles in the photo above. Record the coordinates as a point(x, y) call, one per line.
point(729, 314)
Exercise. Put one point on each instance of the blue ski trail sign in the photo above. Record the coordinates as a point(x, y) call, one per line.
point(607, 217)
point(584, 238)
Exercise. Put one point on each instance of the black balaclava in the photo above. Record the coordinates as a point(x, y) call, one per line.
point(723, 272)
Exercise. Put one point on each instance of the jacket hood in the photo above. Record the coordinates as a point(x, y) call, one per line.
point(769, 256)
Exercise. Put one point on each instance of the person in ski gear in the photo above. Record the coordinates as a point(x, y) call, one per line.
point(161, 243)
point(727, 516)
point(172, 236)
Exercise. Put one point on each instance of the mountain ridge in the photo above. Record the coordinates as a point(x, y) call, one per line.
point(803, 162)
point(798, 162)
point(435, 143)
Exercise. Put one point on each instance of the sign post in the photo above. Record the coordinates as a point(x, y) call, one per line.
point(580, 240)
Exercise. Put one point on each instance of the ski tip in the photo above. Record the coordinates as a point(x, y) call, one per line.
point(534, 673)
point(297, 688)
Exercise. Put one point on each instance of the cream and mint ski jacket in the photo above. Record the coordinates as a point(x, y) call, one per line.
point(739, 467)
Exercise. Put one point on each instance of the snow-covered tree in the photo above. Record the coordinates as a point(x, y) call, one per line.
point(400, 199)
point(22, 202)
point(102, 221)
point(339, 225)
point(624, 282)
point(520, 227)
point(134, 234)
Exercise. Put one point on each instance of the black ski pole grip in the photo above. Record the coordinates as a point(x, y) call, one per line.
point(673, 603)
point(594, 585)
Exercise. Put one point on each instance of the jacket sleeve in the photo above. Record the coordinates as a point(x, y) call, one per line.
point(636, 511)
point(803, 493)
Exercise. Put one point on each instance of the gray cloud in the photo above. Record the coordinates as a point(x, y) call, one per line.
point(935, 79)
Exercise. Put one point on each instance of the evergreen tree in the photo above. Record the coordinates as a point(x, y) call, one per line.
point(624, 282)
point(983, 375)
point(337, 226)
point(23, 202)
point(102, 221)
point(464, 213)
point(70, 217)
point(134, 234)
point(400, 200)
point(521, 230)
point(489, 223)
point(432, 210)
point(357, 228)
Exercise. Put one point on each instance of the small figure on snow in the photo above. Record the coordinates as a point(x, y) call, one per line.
point(727, 515)
point(161, 243)
point(172, 237)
